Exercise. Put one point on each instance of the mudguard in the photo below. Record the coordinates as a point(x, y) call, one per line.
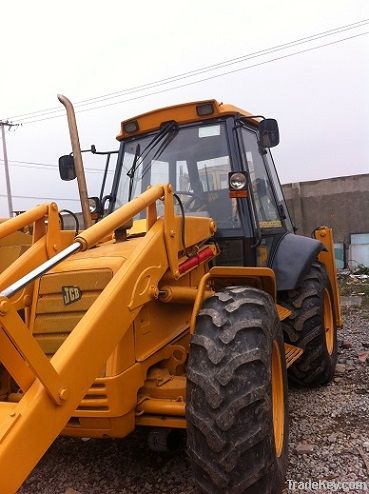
point(293, 258)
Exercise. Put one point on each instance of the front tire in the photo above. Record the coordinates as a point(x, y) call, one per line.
point(237, 420)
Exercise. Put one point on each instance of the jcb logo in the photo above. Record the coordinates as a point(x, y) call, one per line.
point(71, 294)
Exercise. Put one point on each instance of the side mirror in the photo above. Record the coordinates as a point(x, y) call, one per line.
point(269, 133)
point(67, 170)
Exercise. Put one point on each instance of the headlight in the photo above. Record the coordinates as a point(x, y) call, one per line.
point(95, 207)
point(237, 181)
point(93, 204)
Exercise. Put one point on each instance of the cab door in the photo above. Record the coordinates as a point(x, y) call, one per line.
point(268, 209)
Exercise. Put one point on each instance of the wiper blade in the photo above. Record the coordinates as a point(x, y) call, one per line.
point(131, 171)
point(168, 131)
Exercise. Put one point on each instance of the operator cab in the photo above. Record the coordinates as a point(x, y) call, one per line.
point(196, 149)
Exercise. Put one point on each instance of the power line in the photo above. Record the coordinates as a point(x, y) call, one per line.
point(201, 70)
point(43, 198)
point(209, 67)
point(32, 164)
point(204, 79)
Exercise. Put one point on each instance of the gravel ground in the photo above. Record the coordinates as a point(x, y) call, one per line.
point(329, 440)
point(331, 423)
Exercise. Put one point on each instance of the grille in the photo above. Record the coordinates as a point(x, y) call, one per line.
point(95, 399)
point(53, 319)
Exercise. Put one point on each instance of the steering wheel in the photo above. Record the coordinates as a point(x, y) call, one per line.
point(192, 201)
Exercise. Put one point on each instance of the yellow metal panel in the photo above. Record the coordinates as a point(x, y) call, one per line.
point(325, 235)
point(105, 388)
point(139, 226)
point(8, 254)
point(101, 427)
point(75, 426)
point(123, 356)
point(51, 343)
point(54, 304)
point(196, 229)
point(16, 238)
point(89, 279)
point(156, 326)
point(84, 261)
point(56, 323)
point(12, 247)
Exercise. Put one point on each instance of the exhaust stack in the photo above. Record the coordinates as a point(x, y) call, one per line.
point(76, 148)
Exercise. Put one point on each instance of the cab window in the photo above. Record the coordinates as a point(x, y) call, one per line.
point(265, 203)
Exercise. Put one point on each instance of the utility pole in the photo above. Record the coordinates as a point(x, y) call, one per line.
point(4, 124)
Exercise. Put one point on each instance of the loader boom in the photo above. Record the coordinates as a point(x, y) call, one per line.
point(52, 390)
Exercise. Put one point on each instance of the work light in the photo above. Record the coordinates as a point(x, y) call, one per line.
point(237, 182)
point(205, 109)
point(131, 126)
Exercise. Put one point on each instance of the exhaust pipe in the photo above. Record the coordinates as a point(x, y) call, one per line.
point(76, 148)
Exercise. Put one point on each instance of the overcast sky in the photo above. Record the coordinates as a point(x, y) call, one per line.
point(89, 49)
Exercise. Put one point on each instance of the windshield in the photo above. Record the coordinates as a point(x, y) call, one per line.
point(194, 159)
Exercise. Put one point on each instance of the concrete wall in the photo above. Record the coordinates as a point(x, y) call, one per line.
point(341, 203)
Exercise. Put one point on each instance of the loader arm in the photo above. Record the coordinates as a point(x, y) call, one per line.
point(53, 389)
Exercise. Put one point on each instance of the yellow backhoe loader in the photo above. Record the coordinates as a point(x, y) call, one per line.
point(179, 306)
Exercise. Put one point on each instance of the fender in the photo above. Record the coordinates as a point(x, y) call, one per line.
point(259, 277)
point(293, 258)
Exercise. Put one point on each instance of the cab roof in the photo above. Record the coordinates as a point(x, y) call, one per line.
point(182, 114)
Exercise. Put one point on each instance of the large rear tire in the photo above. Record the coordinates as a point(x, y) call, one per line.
point(237, 420)
point(312, 327)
